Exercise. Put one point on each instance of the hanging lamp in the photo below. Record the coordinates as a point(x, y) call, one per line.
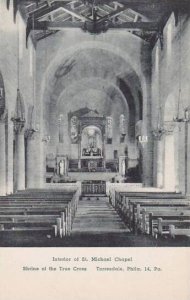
point(160, 130)
point(32, 128)
point(186, 116)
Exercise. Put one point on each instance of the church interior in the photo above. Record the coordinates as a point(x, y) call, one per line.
point(94, 123)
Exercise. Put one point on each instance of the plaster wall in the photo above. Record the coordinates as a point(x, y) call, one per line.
point(170, 71)
point(9, 51)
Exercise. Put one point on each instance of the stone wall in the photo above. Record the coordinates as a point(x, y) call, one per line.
point(9, 50)
point(170, 71)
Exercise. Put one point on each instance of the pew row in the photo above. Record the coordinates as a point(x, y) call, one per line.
point(164, 226)
point(142, 212)
point(44, 212)
point(179, 231)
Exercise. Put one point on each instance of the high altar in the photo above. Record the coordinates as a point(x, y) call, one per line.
point(90, 133)
point(91, 142)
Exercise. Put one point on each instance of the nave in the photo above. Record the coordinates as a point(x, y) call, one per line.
point(43, 218)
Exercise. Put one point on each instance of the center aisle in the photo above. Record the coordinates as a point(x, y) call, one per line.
point(97, 216)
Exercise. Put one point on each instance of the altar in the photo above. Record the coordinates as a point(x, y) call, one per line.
point(88, 131)
point(90, 136)
point(92, 164)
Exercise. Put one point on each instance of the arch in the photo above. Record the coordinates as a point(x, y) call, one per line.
point(106, 87)
point(69, 52)
point(109, 89)
point(129, 73)
point(51, 68)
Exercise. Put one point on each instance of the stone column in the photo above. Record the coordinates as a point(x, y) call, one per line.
point(147, 164)
point(188, 159)
point(10, 167)
point(20, 153)
point(32, 159)
point(147, 160)
point(159, 164)
point(79, 152)
point(104, 150)
point(2, 156)
point(169, 157)
point(43, 145)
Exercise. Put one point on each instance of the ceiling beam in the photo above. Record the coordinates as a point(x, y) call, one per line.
point(144, 3)
point(39, 13)
point(146, 26)
point(74, 13)
point(135, 2)
point(129, 3)
point(45, 35)
point(49, 25)
point(114, 13)
point(169, 5)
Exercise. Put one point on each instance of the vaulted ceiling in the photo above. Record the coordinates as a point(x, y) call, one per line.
point(144, 18)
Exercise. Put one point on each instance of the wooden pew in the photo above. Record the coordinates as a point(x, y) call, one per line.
point(138, 218)
point(164, 195)
point(30, 222)
point(125, 196)
point(26, 210)
point(144, 210)
point(14, 215)
point(126, 201)
point(73, 196)
point(152, 220)
point(32, 208)
point(178, 231)
point(123, 199)
point(131, 212)
point(163, 226)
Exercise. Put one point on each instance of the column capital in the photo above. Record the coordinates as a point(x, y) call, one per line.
point(18, 125)
point(158, 133)
point(30, 133)
point(169, 127)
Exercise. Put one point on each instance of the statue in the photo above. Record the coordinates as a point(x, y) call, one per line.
point(122, 125)
point(61, 167)
point(109, 127)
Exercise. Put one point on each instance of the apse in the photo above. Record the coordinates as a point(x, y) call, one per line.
point(96, 78)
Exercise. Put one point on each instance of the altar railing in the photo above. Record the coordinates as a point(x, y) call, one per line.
point(93, 187)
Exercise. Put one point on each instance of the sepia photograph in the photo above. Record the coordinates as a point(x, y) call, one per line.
point(94, 123)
